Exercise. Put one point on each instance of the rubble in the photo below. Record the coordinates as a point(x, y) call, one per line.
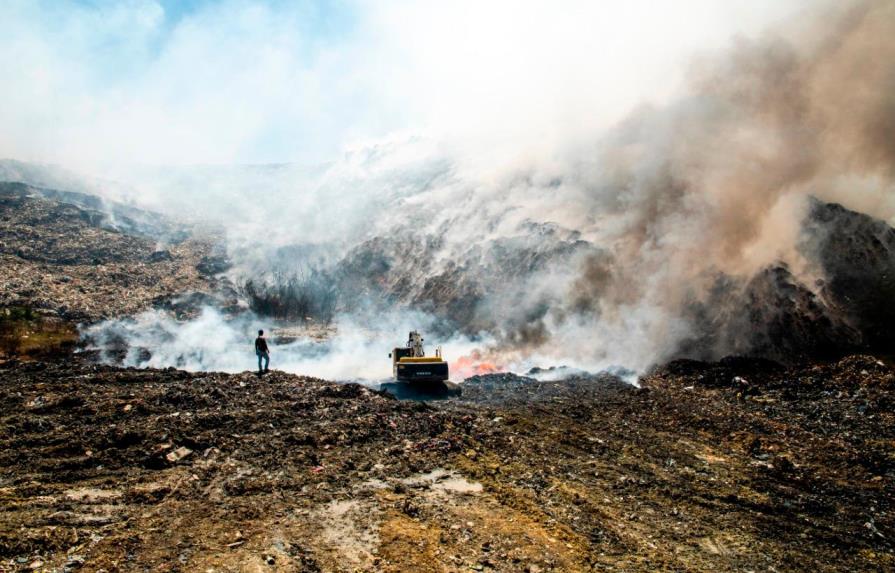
point(755, 467)
point(68, 262)
point(507, 388)
point(178, 454)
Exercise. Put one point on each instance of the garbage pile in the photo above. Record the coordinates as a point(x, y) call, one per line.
point(507, 388)
point(65, 260)
point(735, 465)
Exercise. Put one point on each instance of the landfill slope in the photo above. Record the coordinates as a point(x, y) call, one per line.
point(731, 466)
point(76, 260)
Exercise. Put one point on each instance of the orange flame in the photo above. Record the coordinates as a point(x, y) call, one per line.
point(473, 365)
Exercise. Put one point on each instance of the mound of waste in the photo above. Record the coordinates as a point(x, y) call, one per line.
point(509, 388)
point(737, 465)
point(76, 257)
point(66, 256)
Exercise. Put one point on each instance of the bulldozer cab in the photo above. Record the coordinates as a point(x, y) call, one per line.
point(399, 353)
point(415, 344)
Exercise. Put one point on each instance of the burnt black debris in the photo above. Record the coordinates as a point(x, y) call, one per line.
point(740, 464)
point(507, 388)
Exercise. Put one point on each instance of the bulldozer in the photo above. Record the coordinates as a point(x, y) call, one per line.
point(410, 363)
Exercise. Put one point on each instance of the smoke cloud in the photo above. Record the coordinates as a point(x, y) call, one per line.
point(538, 238)
point(214, 341)
point(158, 82)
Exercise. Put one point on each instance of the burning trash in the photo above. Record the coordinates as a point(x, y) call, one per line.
point(474, 364)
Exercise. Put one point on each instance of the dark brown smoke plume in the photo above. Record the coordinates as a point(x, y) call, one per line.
point(716, 183)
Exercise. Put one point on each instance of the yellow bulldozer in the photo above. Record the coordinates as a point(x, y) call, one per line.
point(410, 363)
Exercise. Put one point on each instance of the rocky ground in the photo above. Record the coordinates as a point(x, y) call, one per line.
point(735, 466)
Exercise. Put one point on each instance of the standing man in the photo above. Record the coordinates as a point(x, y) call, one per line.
point(262, 351)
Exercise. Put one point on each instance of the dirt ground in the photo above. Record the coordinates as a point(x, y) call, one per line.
point(735, 466)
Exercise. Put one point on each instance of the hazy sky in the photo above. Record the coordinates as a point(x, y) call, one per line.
point(160, 82)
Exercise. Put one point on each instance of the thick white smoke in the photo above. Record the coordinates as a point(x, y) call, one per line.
point(620, 230)
point(214, 341)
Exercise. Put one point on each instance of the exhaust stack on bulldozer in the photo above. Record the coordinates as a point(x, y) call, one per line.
point(410, 363)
